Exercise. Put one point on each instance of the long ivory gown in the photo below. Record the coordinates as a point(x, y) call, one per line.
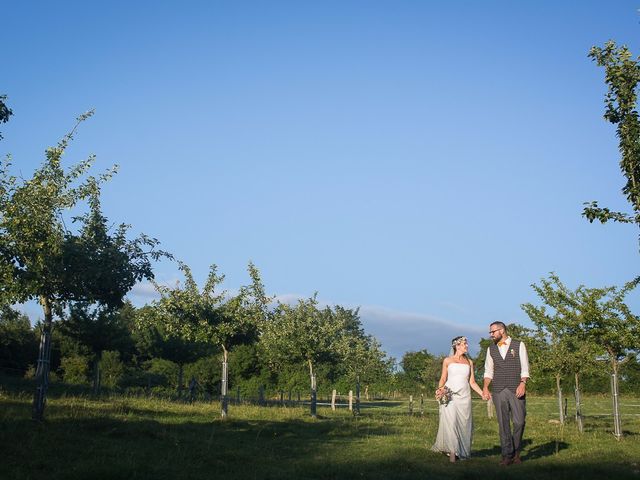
point(456, 424)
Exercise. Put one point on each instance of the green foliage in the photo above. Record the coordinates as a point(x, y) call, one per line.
point(362, 355)
point(154, 340)
point(420, 372)
point(98, 329)
point(111, 368)
point(622, 74)
point(207, 316)
point(610, 324)
point(630, 376)
point(5, 112)
point(75, 369)
point(161, 372)
point(578, 329)
point(207, 372)
point(329, 343)
point(40, 258)
point(561, 323)
point(18, 342)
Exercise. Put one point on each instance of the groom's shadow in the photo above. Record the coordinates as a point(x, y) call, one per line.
point(496, 450)
point(539, 451)
point(545, 450)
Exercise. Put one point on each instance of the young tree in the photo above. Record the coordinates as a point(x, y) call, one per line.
point(568, 349)
point(610, 324)
point(306, 334)
point(362, 357)
point(98, 329)
point(18, 342)
point(211, 317)
point(154, 341)
point(622, 74)
point(586, 324)
point(41, 259)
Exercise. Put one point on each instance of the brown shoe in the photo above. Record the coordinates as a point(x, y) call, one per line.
point(516, 458)
point(505, 462)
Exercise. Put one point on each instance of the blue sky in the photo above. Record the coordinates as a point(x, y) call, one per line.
point(425, 161)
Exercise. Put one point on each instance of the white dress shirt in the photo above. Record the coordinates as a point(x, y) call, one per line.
point(503, 349)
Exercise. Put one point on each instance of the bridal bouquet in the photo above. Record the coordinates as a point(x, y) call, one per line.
point(444, 396)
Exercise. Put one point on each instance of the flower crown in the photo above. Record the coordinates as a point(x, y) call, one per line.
point(458, 341)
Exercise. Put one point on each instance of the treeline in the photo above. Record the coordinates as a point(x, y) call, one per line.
point(125, 351)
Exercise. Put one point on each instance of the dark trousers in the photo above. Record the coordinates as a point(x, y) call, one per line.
point(510, 409)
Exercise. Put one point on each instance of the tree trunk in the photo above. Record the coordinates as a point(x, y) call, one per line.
point(313, 391)
point(617, 427)
point(180, 380)
point(96, 374)
point(224, 399)
point(44, 362)
point(356, 411)
point(560, 405)
point(578, 405)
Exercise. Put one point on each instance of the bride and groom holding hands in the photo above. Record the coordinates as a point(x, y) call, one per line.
point(506, 371)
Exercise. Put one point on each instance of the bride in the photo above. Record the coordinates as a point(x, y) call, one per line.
point(456, 425)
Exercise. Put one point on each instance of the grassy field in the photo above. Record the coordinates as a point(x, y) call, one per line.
point(138, 438)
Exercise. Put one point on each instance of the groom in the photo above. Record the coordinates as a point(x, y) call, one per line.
point(506, 368)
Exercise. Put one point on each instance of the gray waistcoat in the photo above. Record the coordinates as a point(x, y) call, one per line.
point(506, 372)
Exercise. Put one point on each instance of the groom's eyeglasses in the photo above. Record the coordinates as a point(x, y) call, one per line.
point(491, 332)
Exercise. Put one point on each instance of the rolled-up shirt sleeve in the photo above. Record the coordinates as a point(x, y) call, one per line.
point(524, 362)
point(488, 366)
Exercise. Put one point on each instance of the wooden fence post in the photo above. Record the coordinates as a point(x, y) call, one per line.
point(410, 404)
point(351, 400)
point(333, 400)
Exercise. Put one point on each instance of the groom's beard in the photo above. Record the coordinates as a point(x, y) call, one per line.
point(497, 340)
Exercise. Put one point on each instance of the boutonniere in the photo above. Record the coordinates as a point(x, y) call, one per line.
point(513, 354)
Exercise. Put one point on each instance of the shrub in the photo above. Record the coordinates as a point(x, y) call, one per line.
point(112, 369)
point(75, 369)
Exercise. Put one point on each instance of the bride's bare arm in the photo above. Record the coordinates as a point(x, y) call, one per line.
point(443, 376)
point(472, 380)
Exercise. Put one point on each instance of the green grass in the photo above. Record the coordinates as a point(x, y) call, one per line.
point(137, 438)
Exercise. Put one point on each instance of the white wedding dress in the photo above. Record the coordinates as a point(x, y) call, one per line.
point(456, 424)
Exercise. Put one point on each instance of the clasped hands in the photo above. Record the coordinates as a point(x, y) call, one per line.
point(520, 392)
